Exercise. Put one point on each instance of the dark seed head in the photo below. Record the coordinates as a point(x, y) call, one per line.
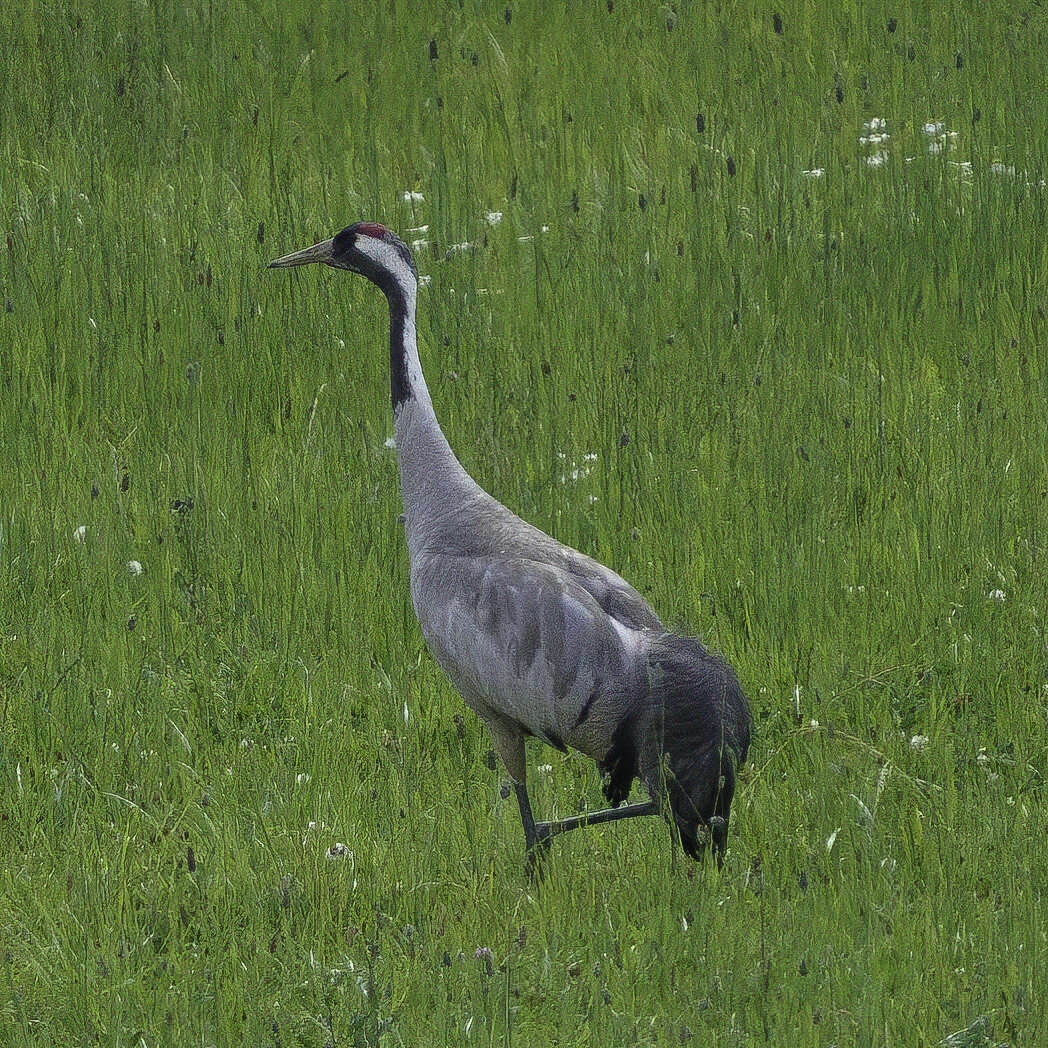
point(432, 50)
point(892, 25)
point(776, 22)
point(731, 166)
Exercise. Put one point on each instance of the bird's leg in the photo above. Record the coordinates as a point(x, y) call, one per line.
point(546, 830)
point(536, 836)
point(509, 741)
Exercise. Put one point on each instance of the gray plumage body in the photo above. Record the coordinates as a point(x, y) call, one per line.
point(538, 638)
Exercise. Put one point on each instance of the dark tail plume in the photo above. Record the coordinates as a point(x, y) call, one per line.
point(696, 735)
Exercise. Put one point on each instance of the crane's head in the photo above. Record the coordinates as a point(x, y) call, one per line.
point(367, 248)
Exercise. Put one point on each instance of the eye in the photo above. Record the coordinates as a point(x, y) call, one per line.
point(343, 242)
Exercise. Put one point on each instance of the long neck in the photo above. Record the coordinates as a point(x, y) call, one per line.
point(432, 481)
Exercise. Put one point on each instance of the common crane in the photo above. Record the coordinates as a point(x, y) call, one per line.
point(538, 638)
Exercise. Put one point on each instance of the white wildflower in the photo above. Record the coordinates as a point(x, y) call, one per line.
point(425, 281)
point(419, 245)
point(544, 769)
point(302, 778)
point(997, 595)
point(390, 444)
point(80, 533)
point(493, 218)
point(997, 168)
point(877, 160)
point(814, 172)
point(411, 197)
point(875, 123)
point(338, 851)
point(919, 743)
point(135, 567)
point(933, 129)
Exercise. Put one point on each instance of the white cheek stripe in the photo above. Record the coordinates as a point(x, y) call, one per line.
point(386, 257)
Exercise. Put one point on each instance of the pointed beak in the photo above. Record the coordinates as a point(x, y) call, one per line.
point(322, 252)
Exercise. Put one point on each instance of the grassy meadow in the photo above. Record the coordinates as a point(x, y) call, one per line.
point(687, 310)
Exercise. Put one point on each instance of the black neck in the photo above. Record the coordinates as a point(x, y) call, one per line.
point(400, 383)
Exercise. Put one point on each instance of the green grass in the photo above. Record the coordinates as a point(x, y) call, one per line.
point(818, 409)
